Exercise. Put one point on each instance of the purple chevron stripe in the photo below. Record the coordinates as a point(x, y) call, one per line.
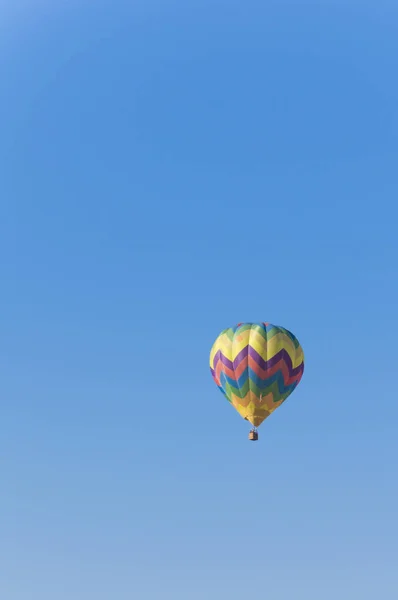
point(225, 361)
point(241, 356)
point(282, 354)
point(265, 365)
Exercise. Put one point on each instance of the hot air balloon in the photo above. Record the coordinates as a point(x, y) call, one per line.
point(256, 366)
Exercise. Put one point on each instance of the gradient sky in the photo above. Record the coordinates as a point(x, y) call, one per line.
point(169, 170)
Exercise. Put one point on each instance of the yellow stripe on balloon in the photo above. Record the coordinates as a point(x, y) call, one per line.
point(231, 349)
point(239, 342)
point(274, 345)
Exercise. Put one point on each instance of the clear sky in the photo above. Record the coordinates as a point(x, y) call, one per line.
point(168, 170)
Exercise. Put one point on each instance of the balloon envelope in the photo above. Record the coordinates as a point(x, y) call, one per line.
point(256, 366)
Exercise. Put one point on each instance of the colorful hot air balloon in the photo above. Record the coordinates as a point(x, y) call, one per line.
point(256, 366)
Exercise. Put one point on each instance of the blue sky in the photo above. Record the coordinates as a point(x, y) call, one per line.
point(168, 171)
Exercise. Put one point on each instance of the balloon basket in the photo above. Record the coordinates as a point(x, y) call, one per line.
point(253, 435)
